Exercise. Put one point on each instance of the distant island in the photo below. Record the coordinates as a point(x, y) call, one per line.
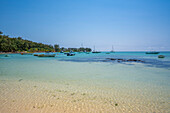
point(17, 45)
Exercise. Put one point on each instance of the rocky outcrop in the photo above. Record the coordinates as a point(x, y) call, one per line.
point(124, 60)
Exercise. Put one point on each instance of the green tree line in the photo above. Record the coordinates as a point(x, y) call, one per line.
point(18, 44)
point(8, 44)
point(81, 49)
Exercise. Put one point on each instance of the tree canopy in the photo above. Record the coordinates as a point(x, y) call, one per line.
point(8, 44)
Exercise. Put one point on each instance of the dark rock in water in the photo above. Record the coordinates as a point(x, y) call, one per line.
point(70, 54)
point(20, 80)
point(112, 59)
point(6, 56)
point(119, 59)
point(124, 60)
point(132, 60)
point(135, 60)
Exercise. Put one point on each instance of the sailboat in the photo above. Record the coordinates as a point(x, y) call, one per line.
point(95, 51)
point(112, 51)
point(82, 51)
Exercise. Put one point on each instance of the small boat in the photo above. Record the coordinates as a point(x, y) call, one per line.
point(46, 55)
point(26, 53)
point(70, 54)
point(35, 54)
point(152, 52)
point(107, 53)
point(161, 56)
point(96, 51)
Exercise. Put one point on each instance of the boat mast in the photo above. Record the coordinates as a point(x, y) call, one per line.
point(82, 45)
point(112, 49)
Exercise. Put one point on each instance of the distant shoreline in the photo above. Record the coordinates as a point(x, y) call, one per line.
point(10, 52)
point(18, 52)
point(44, 51)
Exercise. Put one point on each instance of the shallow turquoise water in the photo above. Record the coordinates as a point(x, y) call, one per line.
point(85, 66)
point(94, 74)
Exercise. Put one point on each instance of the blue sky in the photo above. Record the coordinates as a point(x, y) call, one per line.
point(129, 25)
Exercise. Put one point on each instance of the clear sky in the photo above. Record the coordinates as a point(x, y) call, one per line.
point(129, 25)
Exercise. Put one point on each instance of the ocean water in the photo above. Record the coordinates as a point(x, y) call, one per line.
point(85, 83)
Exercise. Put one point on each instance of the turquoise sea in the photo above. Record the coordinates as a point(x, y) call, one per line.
point(85, 83)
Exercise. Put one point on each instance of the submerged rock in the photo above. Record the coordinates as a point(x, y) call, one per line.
point(125, 60)
point(116, 104)
point(135, 60)
point(6, 56)
point(20, 80)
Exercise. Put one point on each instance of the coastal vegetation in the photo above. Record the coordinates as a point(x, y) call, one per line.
point(8, 44)
point(17, 44)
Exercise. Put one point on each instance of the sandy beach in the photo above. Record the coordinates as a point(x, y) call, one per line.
point(31, 97)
